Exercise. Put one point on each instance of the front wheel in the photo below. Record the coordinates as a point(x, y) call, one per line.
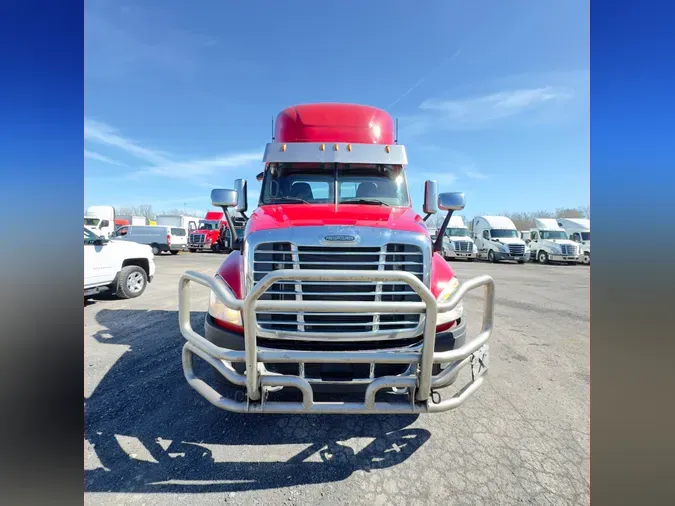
point(155, 249)
point(491, 256)
point(132, 282)
point(542, 256)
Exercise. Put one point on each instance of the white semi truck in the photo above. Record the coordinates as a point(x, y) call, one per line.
point(549, 243)
point(497, 238)
point(579, 231)
point(457, 242)
point(100, 220)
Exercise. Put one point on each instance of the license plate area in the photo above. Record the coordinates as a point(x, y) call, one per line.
point(480, 361)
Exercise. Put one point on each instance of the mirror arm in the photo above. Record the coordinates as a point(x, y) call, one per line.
point(428, 215)
point(243, 215)
point(441, 232)
point(230, 224)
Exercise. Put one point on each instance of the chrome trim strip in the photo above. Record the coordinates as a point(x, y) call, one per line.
point(310, 152)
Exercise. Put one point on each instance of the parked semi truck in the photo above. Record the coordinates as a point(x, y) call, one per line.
point(207, 235)
point(337, 285)
point(549, 243)
point(457, 242)
point(497, 239)
point(579, 231)
point(100, 220)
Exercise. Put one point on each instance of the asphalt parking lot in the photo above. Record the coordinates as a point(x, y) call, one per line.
point(522, 439)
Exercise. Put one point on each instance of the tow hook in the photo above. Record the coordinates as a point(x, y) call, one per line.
point(435, 396)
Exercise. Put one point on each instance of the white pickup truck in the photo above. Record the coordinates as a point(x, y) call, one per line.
point(123, 267)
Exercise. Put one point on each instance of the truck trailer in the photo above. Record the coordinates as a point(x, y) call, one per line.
point(337, 287)
point(189, 223)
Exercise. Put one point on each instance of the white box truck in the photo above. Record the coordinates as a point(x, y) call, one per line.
point(178, 220)
point(549, 243)
point(100, 220)
point(497, 238)
point(457, 242)
point(133, 220)
point(579, 231)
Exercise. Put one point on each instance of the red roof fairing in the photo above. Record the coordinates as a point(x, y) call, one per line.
point(331, 122)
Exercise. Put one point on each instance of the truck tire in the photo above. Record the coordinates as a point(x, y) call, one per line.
point(132, 282)
point(491, 257)
point(542, 257)
point(155, 249)
point(174, 252)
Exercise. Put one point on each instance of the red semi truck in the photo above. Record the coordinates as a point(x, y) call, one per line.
point(337, 286)
point(207, 235)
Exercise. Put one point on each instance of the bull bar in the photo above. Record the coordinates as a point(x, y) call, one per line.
point(257, 380)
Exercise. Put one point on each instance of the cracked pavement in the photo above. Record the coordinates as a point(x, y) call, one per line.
point(523, 438)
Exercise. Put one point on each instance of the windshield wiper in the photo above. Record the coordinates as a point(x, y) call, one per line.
point(287, 199)
point(365, 201)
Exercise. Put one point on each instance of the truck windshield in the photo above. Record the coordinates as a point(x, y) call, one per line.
point(91, 222)
point(457, 232)
point(553, 234)
point(585, 236)
point(306, 183)
point(208, 225)
point(501, 233)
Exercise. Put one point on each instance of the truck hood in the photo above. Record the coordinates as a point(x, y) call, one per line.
point(509, 240)
point(459, 238)
point(561, 241)
point(358, 215)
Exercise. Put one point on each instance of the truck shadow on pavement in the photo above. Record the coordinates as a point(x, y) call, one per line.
point(151, 432)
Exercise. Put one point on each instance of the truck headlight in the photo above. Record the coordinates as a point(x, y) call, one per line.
point(504, 248)
point(556, 250)
point(456, 313)
point(219, 311)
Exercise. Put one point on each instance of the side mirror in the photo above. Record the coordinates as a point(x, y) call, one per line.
point(100, 242)
point(430, 198)
point(448, 202)
point(224, 198)
point(259, 177)
point(451, 201)
point(242, 200)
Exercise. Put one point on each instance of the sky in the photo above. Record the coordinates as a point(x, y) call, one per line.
point(492, 97)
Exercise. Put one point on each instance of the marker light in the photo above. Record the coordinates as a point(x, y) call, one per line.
point(283, 147)
point(387, 149)
point(349, 147)
point(322, 147)
point(336, 147)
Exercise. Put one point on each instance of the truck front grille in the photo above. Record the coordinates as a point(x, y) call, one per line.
point(359, 326)
point(568, 249)
point(517, 250)
point(197, 238)
point(463, 246)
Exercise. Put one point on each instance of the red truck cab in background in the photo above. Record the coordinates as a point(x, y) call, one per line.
point(337, 285)
point(207, 235)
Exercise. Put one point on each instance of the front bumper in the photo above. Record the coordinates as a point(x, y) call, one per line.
point(451, 253)
point(200, 245)
point(449, 355)
point(502, 255)
point(565, 258)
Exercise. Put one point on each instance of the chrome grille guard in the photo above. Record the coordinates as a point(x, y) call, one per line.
point(256, 383)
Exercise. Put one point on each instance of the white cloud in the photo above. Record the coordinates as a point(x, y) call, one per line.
point(474, 174)
point(485, 109)
point(162, 163)
point(92, 155)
